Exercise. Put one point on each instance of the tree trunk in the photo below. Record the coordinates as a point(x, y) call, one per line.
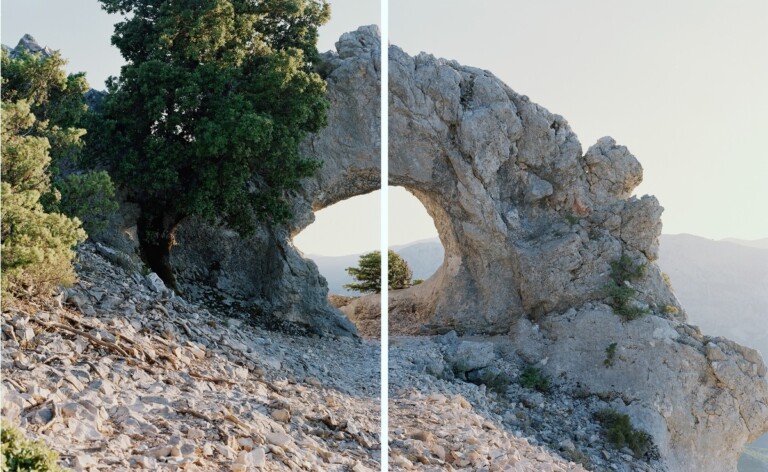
point(157, 237)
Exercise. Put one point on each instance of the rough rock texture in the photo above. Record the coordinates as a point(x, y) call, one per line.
point(266, 272)
point(529, 223)
point(530, 226)
point(120, 374)
point(444, 417)
point(29, 44)
point(701, 398)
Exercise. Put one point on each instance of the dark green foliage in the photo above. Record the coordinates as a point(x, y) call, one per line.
point(207, 115)
point(577, 456)
point(368, 273)
point(571, 219)
point(22, 455)
point(620, 293)
point(55, 98)
point(493, 379)
point(90, 197)
point(610, 355)
point(534, 379)
point(399, 272)
point(625, 269)
point(620, 433)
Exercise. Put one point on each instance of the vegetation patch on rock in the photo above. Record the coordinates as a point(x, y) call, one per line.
point(620, 433)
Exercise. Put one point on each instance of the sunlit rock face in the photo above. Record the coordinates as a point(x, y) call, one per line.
point(530, 224)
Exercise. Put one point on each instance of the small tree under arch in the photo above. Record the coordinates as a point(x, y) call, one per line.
point(368, 273)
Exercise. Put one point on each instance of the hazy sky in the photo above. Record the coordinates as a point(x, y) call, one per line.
point(82, 30)
point(681, 83)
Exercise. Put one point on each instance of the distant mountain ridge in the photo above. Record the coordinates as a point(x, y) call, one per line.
point(723, 285)
point(756, 243)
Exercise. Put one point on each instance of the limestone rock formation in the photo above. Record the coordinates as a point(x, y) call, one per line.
point(531, 226)
point(701, 398)
point(529, 223)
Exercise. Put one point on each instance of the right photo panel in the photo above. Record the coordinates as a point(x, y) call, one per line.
point(540, 316)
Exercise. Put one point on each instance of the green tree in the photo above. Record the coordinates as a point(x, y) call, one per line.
point(399, 272)
point(55, 98)
point(36, 245)
point(57, 102)
point(368, 273)
point(207, 115)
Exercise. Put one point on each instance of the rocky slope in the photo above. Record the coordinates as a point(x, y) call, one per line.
point(474, 414)
point(119, 373)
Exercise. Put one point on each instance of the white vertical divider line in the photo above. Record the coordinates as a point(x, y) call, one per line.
point(384, 96)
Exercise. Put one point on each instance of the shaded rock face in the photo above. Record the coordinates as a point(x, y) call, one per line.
point(265, 273)
point(529, 223)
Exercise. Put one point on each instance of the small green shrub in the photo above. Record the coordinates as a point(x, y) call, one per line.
point(610, 355)
point(571, 219)
point(417, 281)
point(625, 269)
point(534, 379)
point(619, 292)
point(619, 432)
point(621, 301)
point(495, 380)
point(21, 454)
point(574, 455)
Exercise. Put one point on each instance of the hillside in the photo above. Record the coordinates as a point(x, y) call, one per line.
point(722, 285)
point(119, 372)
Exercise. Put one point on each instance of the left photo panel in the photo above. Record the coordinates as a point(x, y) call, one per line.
point(191, 234)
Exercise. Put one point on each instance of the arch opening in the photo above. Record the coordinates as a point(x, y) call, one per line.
point(340, 233)
point(413, 235)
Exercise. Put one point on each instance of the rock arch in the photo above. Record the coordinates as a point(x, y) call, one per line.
point(530, 225)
